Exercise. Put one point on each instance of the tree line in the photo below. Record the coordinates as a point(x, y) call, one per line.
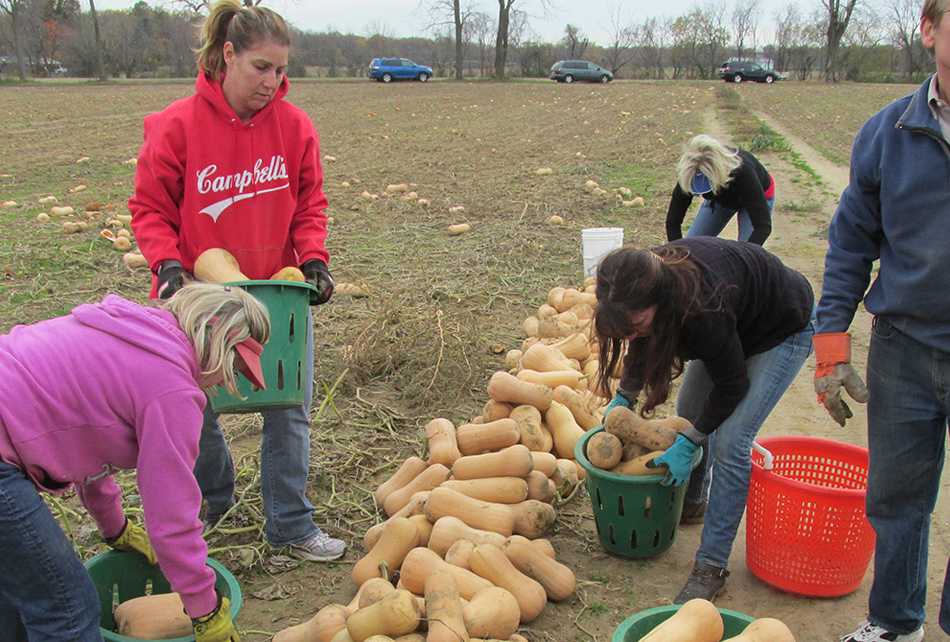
point(833, 40)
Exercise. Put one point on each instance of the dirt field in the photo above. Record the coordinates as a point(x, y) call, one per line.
point(422, 345)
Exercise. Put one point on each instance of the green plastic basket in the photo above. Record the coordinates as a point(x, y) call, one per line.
point(634, 516)
point(282, 361)
point(636, 627)
point(120, 576)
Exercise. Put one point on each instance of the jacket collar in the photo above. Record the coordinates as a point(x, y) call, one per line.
point(918, 114)
point(211, 90)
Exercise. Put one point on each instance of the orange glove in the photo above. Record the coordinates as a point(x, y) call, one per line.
point(834, 371)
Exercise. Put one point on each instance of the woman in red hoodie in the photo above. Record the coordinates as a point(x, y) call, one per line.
point(236, 167)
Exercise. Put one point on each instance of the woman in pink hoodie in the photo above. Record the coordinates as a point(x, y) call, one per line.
point(114, 386)
point(237, 167)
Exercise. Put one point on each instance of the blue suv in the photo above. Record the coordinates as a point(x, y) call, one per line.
point(390, 69)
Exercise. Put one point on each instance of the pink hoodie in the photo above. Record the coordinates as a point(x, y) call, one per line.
point(113, 386)
point(205, 179)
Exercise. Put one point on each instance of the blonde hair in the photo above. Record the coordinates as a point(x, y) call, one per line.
point(215, 318)
point(244, 27)
point(707, 155)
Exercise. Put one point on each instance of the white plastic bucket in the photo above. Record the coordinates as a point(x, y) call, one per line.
point(597, 242)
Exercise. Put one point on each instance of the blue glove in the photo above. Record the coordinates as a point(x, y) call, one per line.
point(619, 400)
point(679, 459)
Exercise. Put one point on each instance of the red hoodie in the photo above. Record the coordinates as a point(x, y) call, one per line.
point(206, 180)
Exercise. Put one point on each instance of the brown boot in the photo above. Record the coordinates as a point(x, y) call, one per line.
point(693, 512)
point(705, 582)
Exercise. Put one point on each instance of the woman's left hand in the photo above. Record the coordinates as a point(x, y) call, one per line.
point(679, 459)
point(133, 538)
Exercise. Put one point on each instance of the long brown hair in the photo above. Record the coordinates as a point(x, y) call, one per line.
point(629, 280)
point(244, 27)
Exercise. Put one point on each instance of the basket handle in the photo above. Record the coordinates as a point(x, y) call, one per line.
point(768, 460)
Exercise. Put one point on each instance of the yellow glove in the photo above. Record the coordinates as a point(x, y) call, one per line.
point(133, 538)
point(217, 625)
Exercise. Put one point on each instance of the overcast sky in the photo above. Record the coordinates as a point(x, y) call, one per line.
point(404, 18)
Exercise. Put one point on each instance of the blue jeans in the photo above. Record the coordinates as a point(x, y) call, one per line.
point(907, 430)
point(712, 218)
point(726, 478)
point(45, 592)
point(285, 465)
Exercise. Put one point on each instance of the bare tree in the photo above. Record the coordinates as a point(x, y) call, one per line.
point(452, 12)
point(509, 24)
point(619, 53)
point(745, 17)
point(482, 27)
point(575, 41)
point(14, 9)
point(903, 19)
point(861, 42)
point(839, 15)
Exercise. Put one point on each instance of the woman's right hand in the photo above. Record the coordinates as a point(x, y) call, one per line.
point(217, 625)
point(171, 278)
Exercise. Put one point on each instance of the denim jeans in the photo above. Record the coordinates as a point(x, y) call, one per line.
point(45, 592)
point(907, 430)
point(285, 465)
point(726, 477)
point(712, 218)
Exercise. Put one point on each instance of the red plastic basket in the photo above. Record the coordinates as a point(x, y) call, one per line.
point(806, 528)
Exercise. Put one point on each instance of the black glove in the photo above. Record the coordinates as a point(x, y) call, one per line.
point(171, 277)
point(317, 274)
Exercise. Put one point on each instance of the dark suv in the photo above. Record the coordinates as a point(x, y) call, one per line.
point(571, 70)
point(389, 69)
point(740, 70)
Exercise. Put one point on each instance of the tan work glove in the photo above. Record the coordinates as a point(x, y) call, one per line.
point(217, 625)
point(834, 371)
point(133, 538)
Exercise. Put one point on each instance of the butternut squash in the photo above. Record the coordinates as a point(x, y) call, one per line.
point(632, 450)
point(512, 358)
point(422, 562)
point(604, 450)
point(546, 310)
point(629, 426)
point(442, 440)
point(474, 439)
point(406, 472)
point(513, 461)
point(556, 578)
point(545, 546)
point(544, 358)
point(696, 621)
point(424, 526)
point(528, 420)
point(448, 530)
point(552, 378)
point(444, 609)
point(428, 479)
point(558, 326)
point(764, 629)
point(371, 591)
point(289, 273)
point(500, 490)
point(395, 614)
point(554, 296)
point(530, 326)
point(572, 297)
point(476, 513)
point(565, 477)
point(413, 508)
point(584, 406)
point(325, 623)
point(508, 388)
point(217, 265)
point(491, 563)
point(494, 410)
point(544, 462)
point(638, 467)
point(532, 518)
point(576, 346)
point(565, 430)
point(410, 637)
point(387, 555)
point(492, 613)
point(679, 424)
point(540, 487)
point(460, 552)
point(153, 617)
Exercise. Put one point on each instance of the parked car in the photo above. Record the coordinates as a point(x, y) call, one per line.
point(740, 70)
point(571, 70)
point(390, 69)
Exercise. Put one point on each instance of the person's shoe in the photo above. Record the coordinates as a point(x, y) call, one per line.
point(693, 512)
point(868, 632)
point(208, 522)
point(705, 582)
point(319, 548)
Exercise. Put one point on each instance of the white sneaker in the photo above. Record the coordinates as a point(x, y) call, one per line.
point(868, 632)
point(319, 548)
